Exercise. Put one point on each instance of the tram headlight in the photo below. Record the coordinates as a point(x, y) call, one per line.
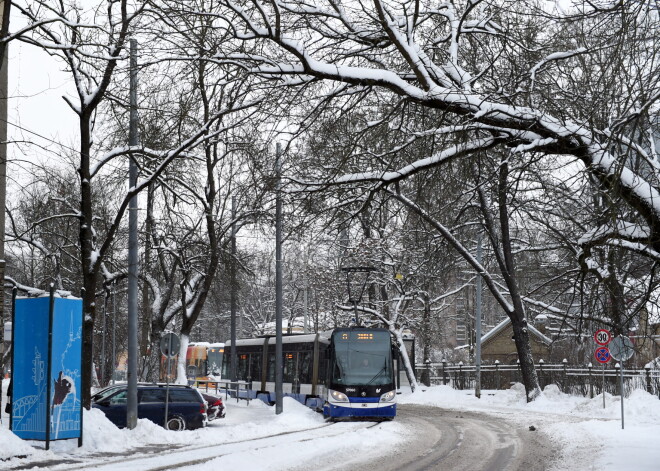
point(388, 396)
point(337, 396)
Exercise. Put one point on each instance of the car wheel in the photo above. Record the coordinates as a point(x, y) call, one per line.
point(176, 423)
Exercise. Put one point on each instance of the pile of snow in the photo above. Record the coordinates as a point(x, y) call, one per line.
point(640, 407)
point(589, 435)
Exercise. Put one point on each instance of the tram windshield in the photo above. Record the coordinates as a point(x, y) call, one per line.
point(362, 357)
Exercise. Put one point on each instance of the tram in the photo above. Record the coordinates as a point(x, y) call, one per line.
point(203, 362)
point(346, 373)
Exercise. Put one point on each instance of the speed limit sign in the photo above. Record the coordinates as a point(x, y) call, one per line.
point(602, 337)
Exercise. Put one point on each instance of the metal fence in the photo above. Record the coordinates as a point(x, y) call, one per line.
point(585, 381)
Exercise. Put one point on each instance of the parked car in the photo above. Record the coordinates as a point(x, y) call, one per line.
point(216, 409)
point(106, 392)
point(186, 407)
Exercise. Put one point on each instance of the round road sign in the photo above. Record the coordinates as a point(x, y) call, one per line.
point(602, 337)
point(169, 345)
point(622, 348)
point(602, 354)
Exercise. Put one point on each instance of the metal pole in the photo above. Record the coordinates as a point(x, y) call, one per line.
point(105, 327)
point(603, 386)
point(14, 292)
point(278, 284)
point(131, 403)
point(114, 325)
point(167, 380)
point(305, 298)
point(621, 390)
point(232, 293)
point(305, 312)
point(49, 367)
point(4, 95)
point(477, 359)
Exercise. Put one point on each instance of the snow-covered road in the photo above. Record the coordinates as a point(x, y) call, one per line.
point(438, 428)
point(447, 439)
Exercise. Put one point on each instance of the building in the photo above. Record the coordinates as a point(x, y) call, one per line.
point(498, 344)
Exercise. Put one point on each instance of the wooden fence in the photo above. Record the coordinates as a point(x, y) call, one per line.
point(587, 381)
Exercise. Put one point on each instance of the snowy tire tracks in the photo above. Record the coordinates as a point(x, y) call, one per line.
point(446, 439)
point(163, 457)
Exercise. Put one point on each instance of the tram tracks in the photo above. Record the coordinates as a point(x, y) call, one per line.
point(156, 455)
point(204, 460)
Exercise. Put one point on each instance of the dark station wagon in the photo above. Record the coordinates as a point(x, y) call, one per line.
point(186, 407)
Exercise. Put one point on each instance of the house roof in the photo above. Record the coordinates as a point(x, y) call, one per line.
point(503, 325)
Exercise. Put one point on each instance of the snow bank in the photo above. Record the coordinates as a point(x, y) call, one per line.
point(640, 407)
point(589, 435)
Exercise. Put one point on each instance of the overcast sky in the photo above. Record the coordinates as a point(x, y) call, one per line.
point(36, 107)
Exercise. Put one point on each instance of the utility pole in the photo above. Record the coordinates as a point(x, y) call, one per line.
point(114, 330)
point(305, 295)
point(477, 354)
point(131, 403)
point(279, 366)
point(4, 89)
point(232, 293)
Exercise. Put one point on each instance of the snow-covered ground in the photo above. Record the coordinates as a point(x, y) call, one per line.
point(590, 436)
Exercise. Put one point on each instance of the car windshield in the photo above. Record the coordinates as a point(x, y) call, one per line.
point(362, 358)
point(105, 393)
point(119, 398)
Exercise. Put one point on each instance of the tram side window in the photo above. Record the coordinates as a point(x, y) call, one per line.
point(243, 363)
point(305, 371)
point(271, 367)
point(225, 366)
point(255, 367)
point(289, 367)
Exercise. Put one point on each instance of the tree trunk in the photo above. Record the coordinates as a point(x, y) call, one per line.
point(508, 268)
point(524, 349)
point(410, 371)
point(181, 377)
point(89, 263)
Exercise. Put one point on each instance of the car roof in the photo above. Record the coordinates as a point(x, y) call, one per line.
point(147, 385)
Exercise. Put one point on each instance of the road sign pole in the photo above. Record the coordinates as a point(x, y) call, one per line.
point(603, 385)
point(621, 390)
point(167, 381)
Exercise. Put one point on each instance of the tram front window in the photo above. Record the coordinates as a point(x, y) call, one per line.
point(214, 361)
point(362, 358)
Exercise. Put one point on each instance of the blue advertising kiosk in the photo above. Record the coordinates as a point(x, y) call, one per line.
point(46, 368)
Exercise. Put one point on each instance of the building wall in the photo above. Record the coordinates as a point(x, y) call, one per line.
point(503, 348)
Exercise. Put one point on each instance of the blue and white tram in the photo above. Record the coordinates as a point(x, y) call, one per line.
point(345, 373)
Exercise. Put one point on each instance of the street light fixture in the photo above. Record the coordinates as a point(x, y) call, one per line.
point(358, 276)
